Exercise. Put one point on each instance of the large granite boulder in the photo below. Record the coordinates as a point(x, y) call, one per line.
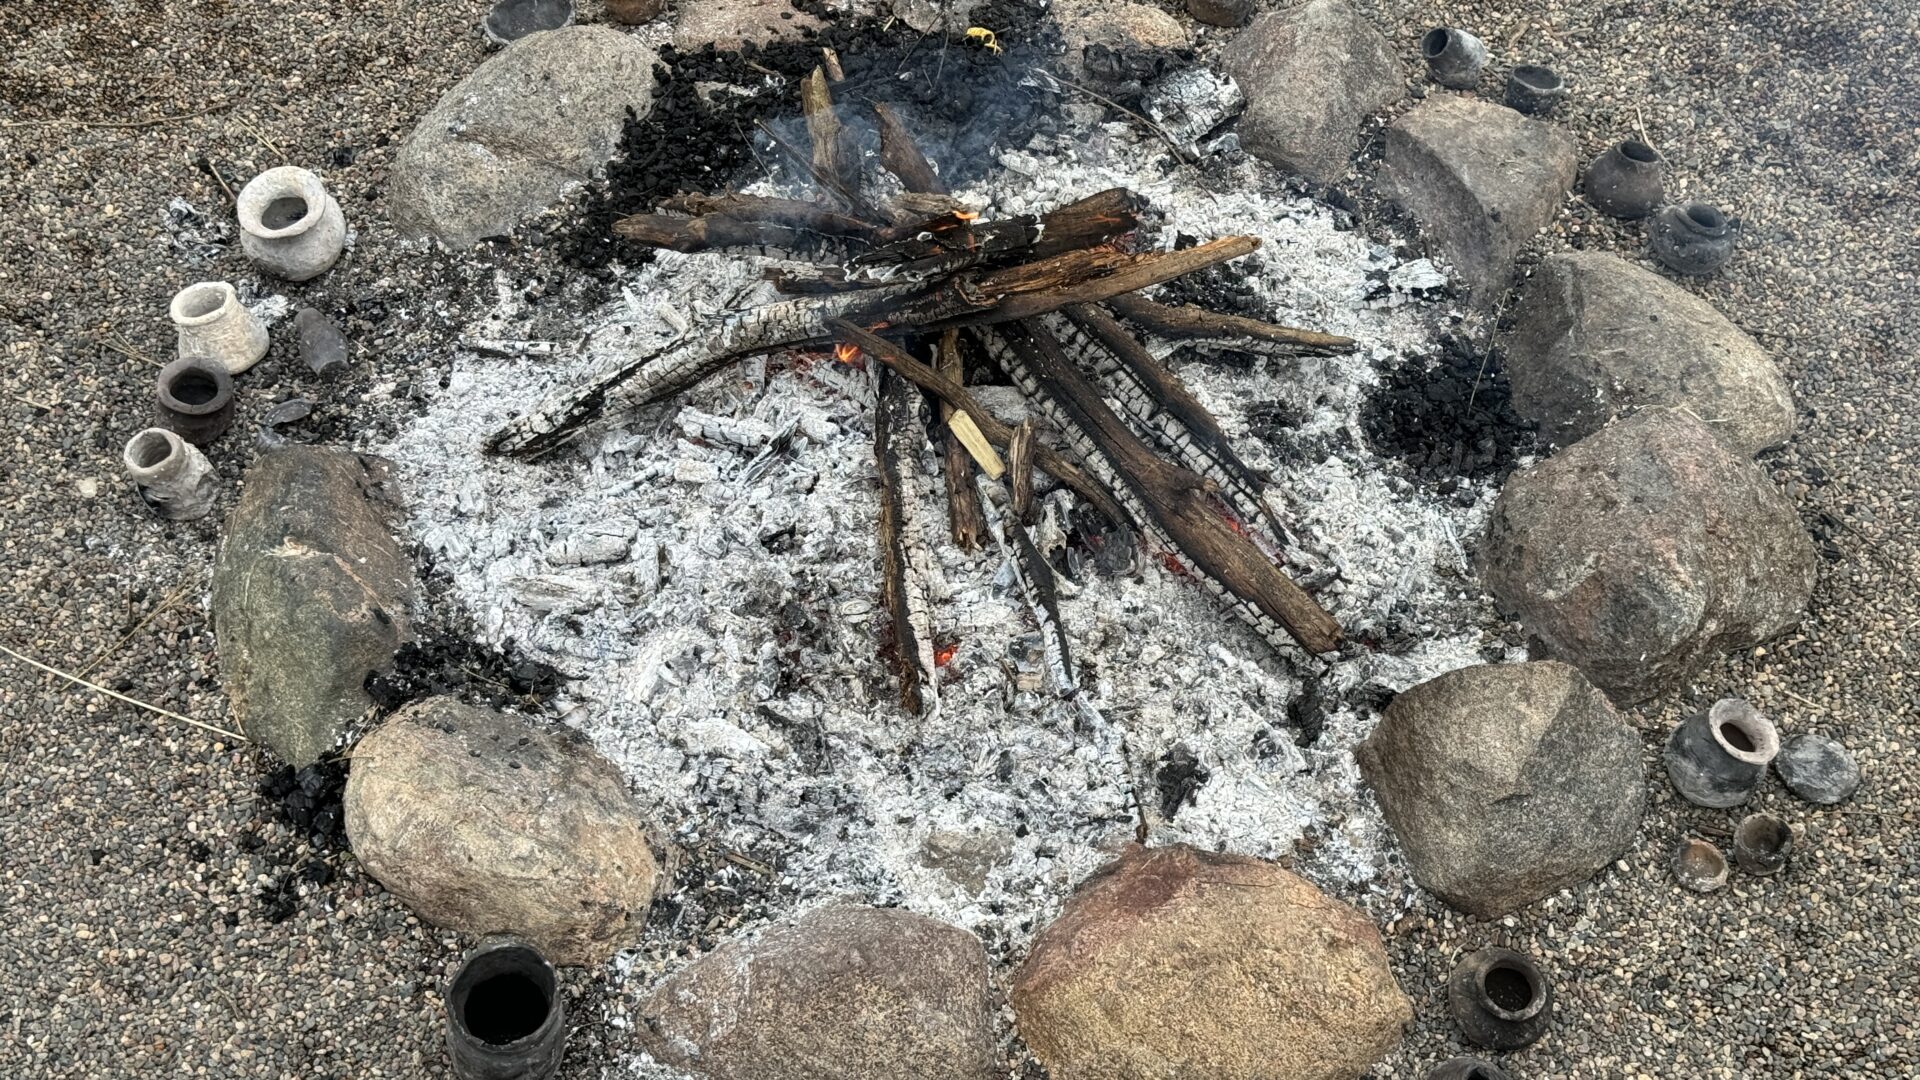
point(1480, 178)
point(844, 991)
point(311, 594)
point(1506, 782)
point(1312, 75)
point(1644, 550)
point(1180, 964)
point(1124, 37)
point(530, 123)
point(729, 24)
point(486, 824)
point(1595, 336)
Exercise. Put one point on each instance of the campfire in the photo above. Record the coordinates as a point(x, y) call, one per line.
point(906, 274)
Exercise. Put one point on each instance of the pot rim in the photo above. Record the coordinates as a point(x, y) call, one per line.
point(1434, 42)
point(1639, 152)
point(177, 310)
point(176, 449)
point(1758, 729)
point(465, 979)
point(222, 386)
point(279, 183)
point(1777, 829)
point(1705, 216)
point(1539, 78)
point(1508, 960)
point(1691, 844)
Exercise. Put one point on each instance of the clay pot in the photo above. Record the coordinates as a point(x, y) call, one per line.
point(1535, 90)
point(511, 20)
point(289, 226)
point(1716, 757)
point(1500, 999)
point(213, 325)
point(1691, 239)
point(1454, 57)
point(505, 1019)
point(195, 399)
point(1699, 866)
point(1625, 181)
point(174, 478)
point(1761, 844)
point(1467, 1068)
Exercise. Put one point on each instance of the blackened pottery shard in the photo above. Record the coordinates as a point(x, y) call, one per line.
point(1500, 998)
point(1699, 866)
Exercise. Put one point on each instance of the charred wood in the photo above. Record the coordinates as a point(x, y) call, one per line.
point(1188, 321)
point(901, 156)
point(904, 562)
point(963, 499)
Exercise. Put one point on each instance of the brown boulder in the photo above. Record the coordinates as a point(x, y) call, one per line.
point(482, 823)
point(1180, 964)
point(844, 991)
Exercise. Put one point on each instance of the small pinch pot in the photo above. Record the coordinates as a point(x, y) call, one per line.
point(1715, 758)
point(1467, 1068)
point(289, 225)
point(505, 1018)
point(1624, 182)
point(1535, 90)
point(1699, 866)
point(195, 399)
point(1454, 57)
point(212, 324)
point(1761, 844)
point(1500, 999)
point(1694, 238)
point(175, 479)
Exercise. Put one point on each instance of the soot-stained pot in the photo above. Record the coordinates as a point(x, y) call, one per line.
point(511, 20)
point(1467, 1068)
point(195, 399)
point(212, 324)
point(1454, 57)
point(1693, 239)
point(1500, 999)
point(175, 479)
point(1761, 844)
point(1625, 182)
point(1716, 757)
point(289, 226)
point(505, 1019)
point(1699, 866)
point(1535, 90)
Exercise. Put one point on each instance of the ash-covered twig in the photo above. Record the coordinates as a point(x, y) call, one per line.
point(1188, 321)
point(904, 564)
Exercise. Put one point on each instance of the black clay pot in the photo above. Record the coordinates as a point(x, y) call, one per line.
point(1535, 90)
point(1761, 844)
point(1692, 239)
point(1467, 1068)
point(1500, 999)
point(1625, 181)
point(1454, 57)
point(505, 1019)
point(195, 399)
point(1716, 757)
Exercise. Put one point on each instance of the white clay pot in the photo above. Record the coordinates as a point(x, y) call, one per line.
point(289, 226)
point(174, 478)
point(214, 325)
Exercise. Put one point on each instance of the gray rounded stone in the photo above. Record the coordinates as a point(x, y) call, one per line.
point(1818, 769)
point(1312, 75)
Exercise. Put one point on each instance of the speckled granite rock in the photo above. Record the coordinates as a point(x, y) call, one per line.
point(1506, 782)
point(1594, 335)
point(485, 824)
point(1312, 75)
point(1641, 552)
point(1180, 964)
point(311, 594)
point(728, 24)
point(527, 125)
point(1480, 178)
point(843, 991)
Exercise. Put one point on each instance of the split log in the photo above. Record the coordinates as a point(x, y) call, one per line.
point(1020, 471)
point(949, 244)
point(904, 565)
point(901, 156)
point(903, 362)
point(718, 232)
point(833, 152)
point(798, 213)
point(1188, 321)
point(1175, 502)
point(963, 500)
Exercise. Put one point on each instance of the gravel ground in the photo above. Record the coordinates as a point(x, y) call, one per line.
point(156, 919)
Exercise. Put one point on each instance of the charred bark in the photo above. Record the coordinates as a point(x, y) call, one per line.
point(1188, 321)
point(903, 562)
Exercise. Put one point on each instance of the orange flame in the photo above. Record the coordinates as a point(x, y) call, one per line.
point(967, 215)
point(846, 353)
point(944, 654)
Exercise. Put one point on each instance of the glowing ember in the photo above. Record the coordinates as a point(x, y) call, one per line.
point(846, 354)
point(944, 654)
